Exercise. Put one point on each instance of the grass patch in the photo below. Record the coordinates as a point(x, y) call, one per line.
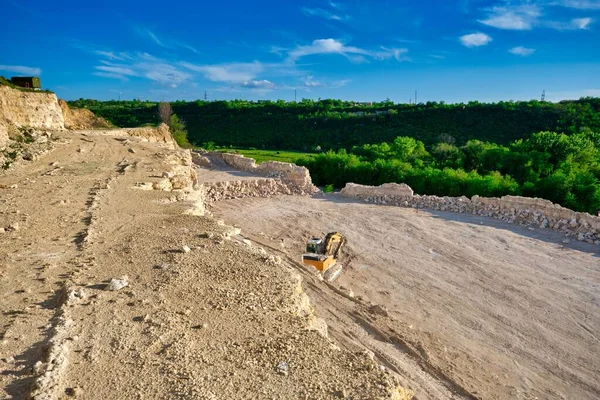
point(270, 155)
point(6, 82)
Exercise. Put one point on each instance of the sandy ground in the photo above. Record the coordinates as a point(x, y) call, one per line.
point(484, 309)
point(203, 315)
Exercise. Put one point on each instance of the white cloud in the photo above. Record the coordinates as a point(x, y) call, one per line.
point(398, 54)
point(475, 39)
point(116, 70)
point(319, 12)
point(354, 54)
point(311, 83)
point(263, 85)
point(231, 72)
point(578, 4)
point(163, 73)
point(143, 65)
point(572, 25)
point(521, 51)
point(111, 55)
point(111, 75)
point(521, 17)
point(20, 69)
point(526, 15)
point(581, 23)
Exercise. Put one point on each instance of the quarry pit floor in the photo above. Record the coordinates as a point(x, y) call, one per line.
point(461, 306)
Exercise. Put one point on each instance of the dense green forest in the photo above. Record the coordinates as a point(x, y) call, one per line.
point(562, 168)
point(537, 149)
point(336, 124)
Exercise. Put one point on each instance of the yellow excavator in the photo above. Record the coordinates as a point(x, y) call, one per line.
point(323, 255)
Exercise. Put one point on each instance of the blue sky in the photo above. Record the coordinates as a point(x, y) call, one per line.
point(361, 50)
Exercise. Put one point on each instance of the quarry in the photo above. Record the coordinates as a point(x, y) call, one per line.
point(131, 268)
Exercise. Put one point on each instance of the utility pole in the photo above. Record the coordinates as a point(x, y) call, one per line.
point(295, 96)
point(205, 96)
point(544, 95)
point(416, 102)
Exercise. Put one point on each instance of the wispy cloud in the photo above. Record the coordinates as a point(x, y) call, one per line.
point(319, 12)
point(581, 23)
point(311, 83)
point(572, 25)
point(262, 85)
point(578, 4)
point(333, 12)
point(145, 66)
point(354, 54)
point(20, 69)
point(409, 41)
point(116, 70)
point(111, 75)
point(521, 51)
point(190, 48)
point(111, 55)
point(154, 38)
point(526, 15)
point(229, 72)
point(521, 17)
point(475, 39)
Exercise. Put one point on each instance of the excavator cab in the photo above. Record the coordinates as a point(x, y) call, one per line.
point(323, 254)
point(315, 246)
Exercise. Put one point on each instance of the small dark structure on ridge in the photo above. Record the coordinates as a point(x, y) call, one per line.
point(29, 82)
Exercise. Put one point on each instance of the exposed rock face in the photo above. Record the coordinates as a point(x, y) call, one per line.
point(81, 118)
point(3, 135)
point(394, 189)
point(514, 209)
point(268, 187)
point(159, 134)
point(299, 177)
point(31, 109)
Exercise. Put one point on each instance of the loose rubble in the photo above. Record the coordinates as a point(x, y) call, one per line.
point(533, 212)
point(117, 283)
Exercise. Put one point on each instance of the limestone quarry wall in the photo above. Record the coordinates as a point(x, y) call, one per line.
point(32, 109)
point(296, 177)
point(514, 209)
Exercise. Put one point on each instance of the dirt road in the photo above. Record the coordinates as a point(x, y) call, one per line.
point(112, 290)
point(487, 309)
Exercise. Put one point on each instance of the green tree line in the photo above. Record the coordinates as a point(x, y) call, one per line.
point(562, 168)
point(335, 124)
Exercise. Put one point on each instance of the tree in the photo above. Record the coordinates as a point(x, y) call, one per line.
point(165, 112)
point(178, 131)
